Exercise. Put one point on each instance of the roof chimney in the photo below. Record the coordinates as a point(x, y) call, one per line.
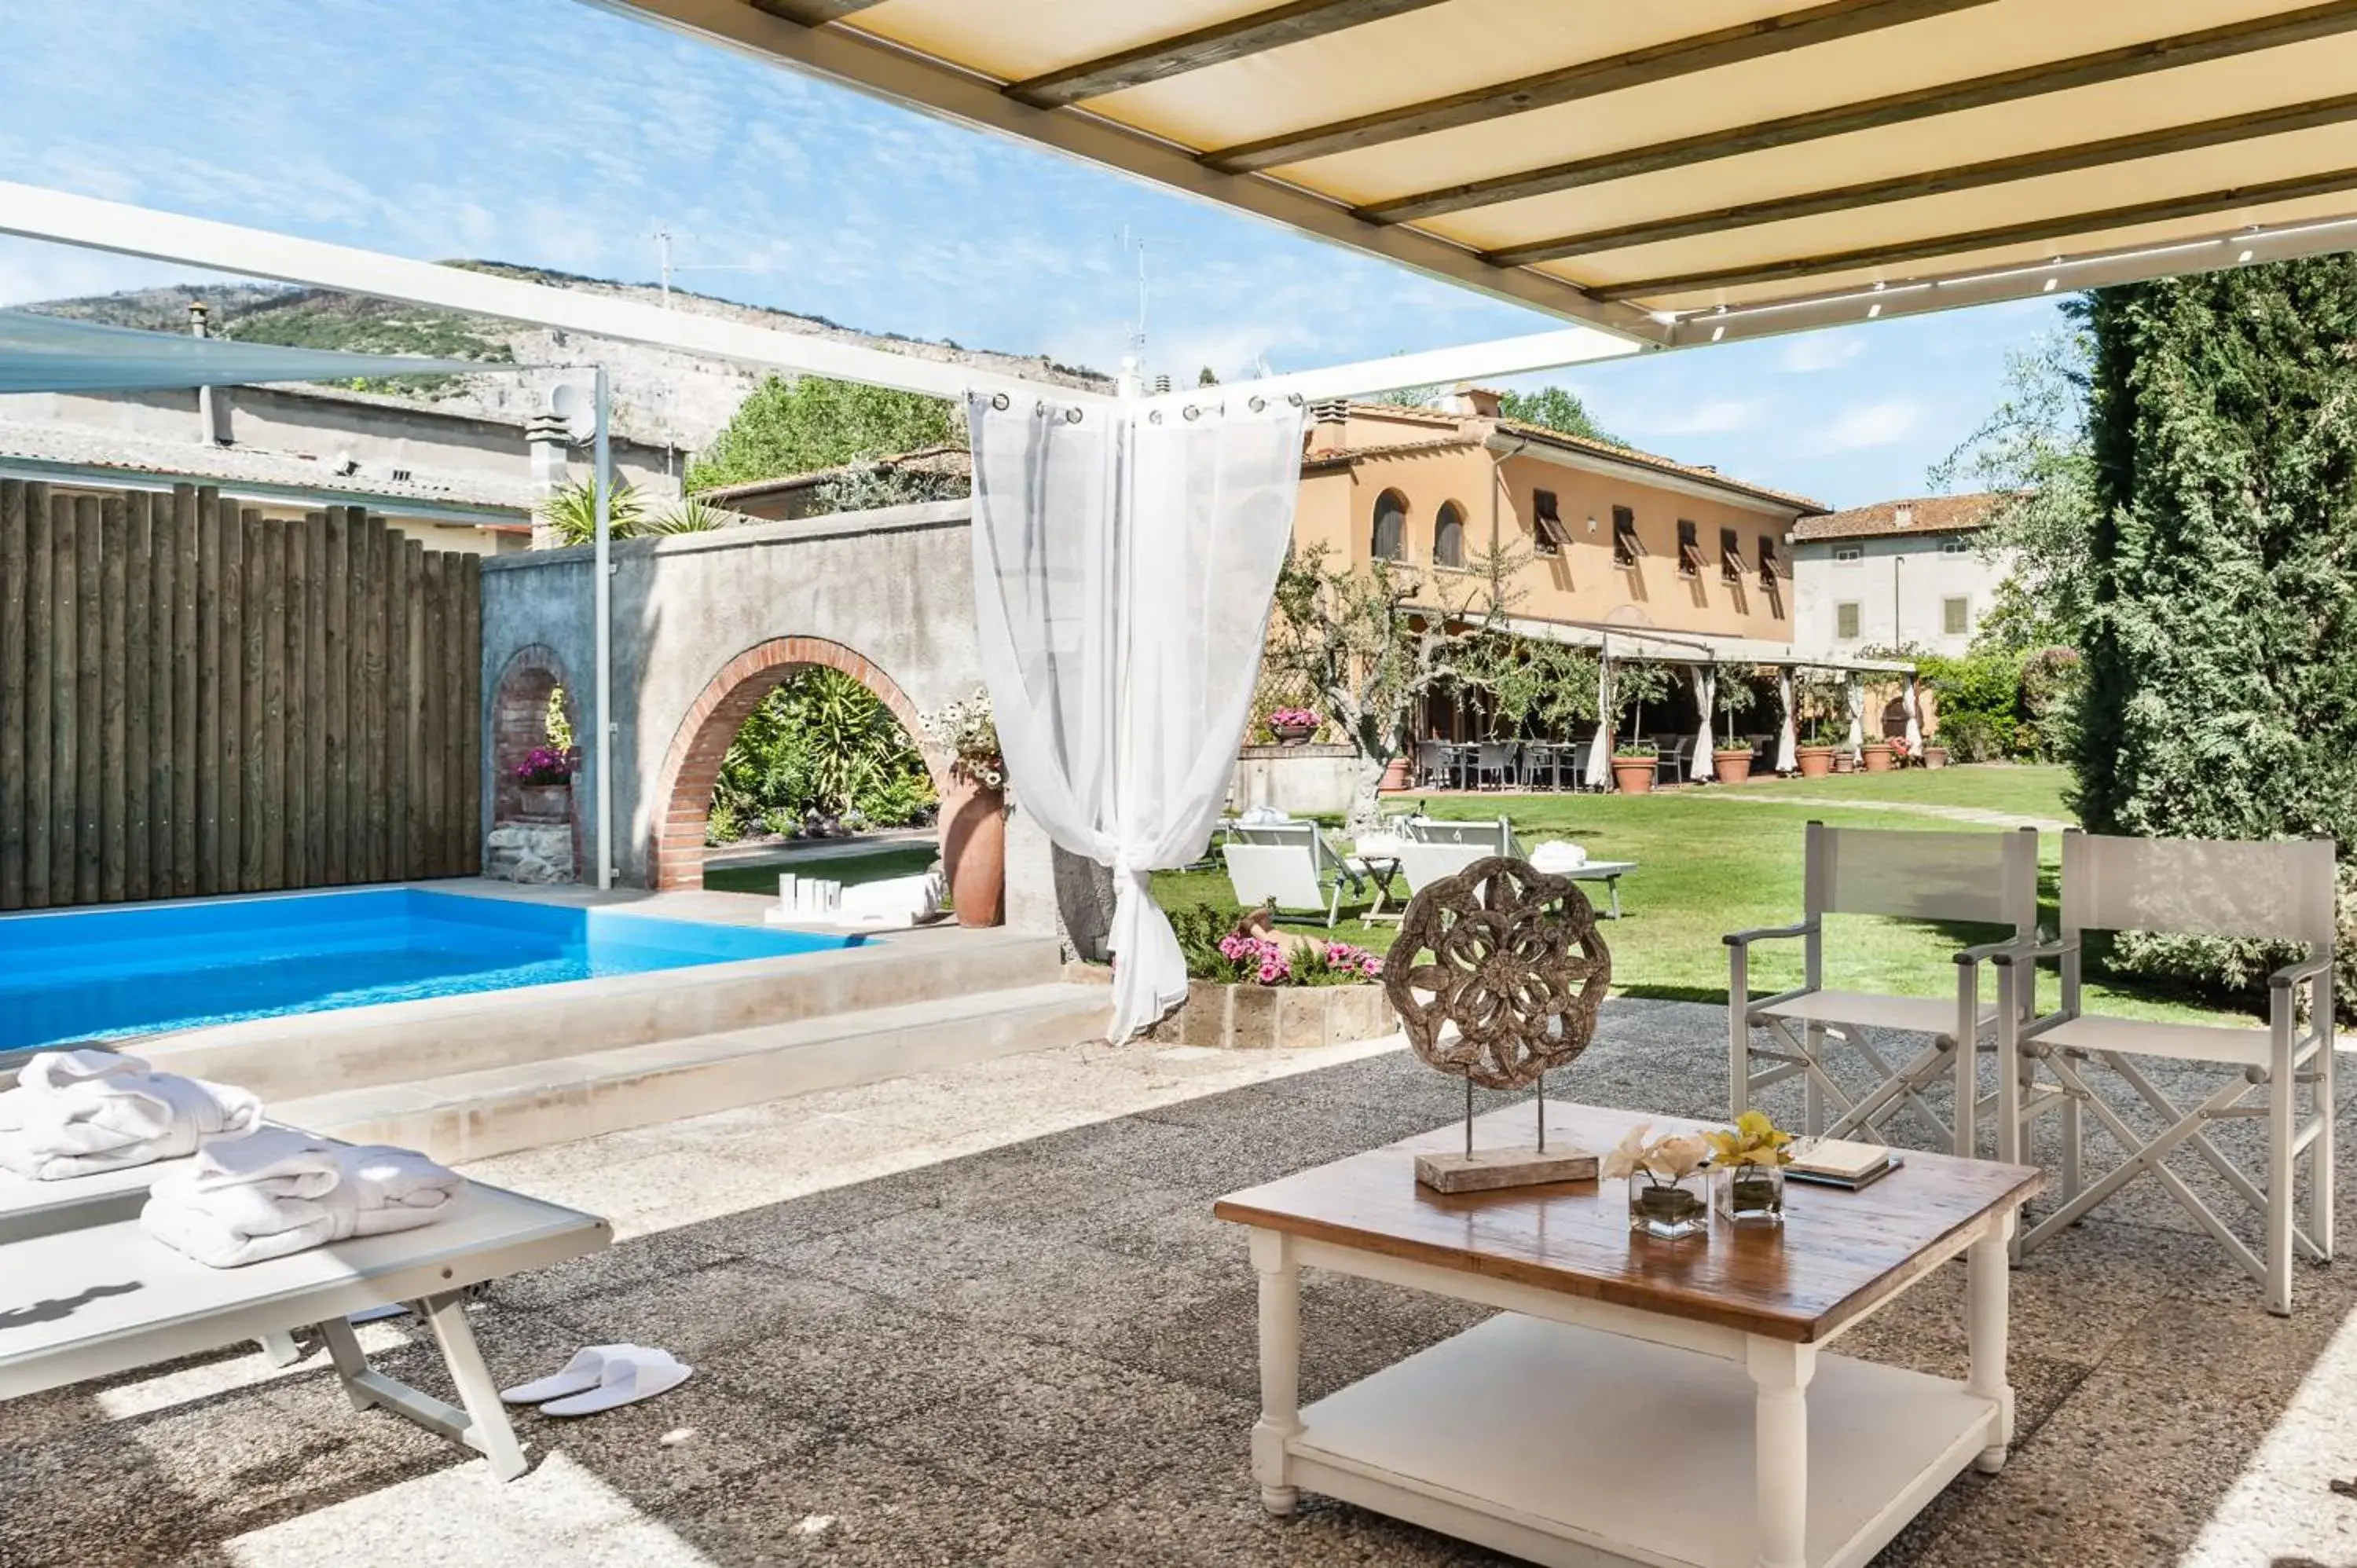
point(212, 403)
point(1328, 419)
point(1903, 515)
point(547, 441)
point(1480, 403)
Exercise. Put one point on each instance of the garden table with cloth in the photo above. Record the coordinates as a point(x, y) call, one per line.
point(1635, 1399)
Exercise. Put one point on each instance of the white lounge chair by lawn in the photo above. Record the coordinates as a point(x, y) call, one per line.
point(1989, 878)
point(1492, 837)
point(2266, 892)
point(1289, 866)
point(98, 1300)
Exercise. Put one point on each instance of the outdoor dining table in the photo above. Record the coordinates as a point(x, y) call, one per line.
point(1635, 1400)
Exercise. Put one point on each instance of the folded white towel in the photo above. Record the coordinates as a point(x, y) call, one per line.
point(271, 1201)
point(895, 898)
point(1557, 857)
point(70, 1115)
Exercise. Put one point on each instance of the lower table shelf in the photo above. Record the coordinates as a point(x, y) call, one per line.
point(1577, 1449)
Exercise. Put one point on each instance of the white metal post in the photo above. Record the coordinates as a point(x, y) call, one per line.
point(604, 596)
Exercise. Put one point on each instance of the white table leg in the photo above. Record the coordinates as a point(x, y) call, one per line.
point(488, 1431)
point(1280, 1368)
point(1781, 1373)
point(1987, 1286)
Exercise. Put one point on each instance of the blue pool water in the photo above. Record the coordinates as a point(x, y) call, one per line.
point(94, 974)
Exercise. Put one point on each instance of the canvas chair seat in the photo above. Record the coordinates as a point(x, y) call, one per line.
point(1868, 1010)
point(2180, 1042)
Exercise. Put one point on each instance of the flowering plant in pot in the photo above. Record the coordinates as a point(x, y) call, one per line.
point(1665, 1180)
point(1292, 726)
point(1633, 763)
point(1731, 764)
point(1750, 1158)
point(974, 808)
point(544, 784)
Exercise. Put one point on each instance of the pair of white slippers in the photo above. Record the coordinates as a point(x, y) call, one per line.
point(603, 1377)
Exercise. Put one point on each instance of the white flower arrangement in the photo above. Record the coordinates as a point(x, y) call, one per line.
point(968, 731)
point(1670, 1158)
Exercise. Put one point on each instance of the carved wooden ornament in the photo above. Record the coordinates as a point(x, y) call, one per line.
point(1498, 973)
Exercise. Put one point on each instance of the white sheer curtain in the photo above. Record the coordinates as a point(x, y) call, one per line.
point(1914, 718)
point(1600, 751)
point(1123, 571)
point(1706, 686)
point(1786, 741)
point(1857, 693)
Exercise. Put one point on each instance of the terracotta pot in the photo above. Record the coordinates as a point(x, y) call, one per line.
point(1815, 762)
point(974, 850)
point(1935, 757)
point(1293, 735)
point(1877, 756)
point(544, 802)
point(1732, 766)
point(1633, 775)
point(1396, 777)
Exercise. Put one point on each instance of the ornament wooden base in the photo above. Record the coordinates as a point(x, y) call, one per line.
point(1487, 1170)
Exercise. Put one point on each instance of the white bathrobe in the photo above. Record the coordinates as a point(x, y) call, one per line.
point(76, 1114)
point(282, 1191)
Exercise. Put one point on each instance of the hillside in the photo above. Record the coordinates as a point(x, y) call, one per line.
point(660, 396)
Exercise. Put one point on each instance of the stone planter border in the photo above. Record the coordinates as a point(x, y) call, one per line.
point(1277, 1017)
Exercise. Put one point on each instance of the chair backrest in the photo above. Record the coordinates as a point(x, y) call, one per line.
point(1990, 878)
point(1282, 875)
point(1304, 836)
point(1427, 863)
point(1497, 753)
point(1491, 837)
point(2277, 891)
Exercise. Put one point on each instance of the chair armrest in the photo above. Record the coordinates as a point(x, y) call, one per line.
point(2010, 953)
point(1744, 939)
point(2291, 974)
point(1986, 951)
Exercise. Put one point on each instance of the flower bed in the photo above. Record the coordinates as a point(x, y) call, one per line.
point(1255, 990)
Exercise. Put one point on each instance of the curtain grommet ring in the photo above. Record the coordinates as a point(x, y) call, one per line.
point(1193, 414)
point(1072, 417)
point(1154, 416)
point(1293, 398)
point(1257, 405)
point(1000, 401)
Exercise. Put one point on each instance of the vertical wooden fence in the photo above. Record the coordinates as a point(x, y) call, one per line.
point(197, 698)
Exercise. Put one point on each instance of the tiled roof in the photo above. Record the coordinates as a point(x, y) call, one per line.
point(1920, 514)
point(73, 446)
point(1651, 460)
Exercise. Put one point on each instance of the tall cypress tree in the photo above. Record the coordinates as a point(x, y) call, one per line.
point(2222, 661)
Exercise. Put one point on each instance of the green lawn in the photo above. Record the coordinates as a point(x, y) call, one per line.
point(1709, 863)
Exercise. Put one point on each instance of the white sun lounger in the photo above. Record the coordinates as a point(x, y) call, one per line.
point(95, 1300)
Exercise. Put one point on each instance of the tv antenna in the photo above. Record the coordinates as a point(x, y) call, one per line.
point(665, 239)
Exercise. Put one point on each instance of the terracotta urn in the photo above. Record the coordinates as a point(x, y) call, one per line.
point(1877, 756)
point(544, 802)
point(1396, 777)
point(1633, 775)
point(1815, 762)
point(1731, 766)
point(1845, 761)
point(1935, 757)
point(974, 849)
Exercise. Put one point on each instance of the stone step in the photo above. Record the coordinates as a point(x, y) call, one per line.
point(300, 1055)
point(472, 1115)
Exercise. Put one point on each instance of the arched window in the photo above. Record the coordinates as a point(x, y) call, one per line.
point(1391, 526)
point(1448, 536)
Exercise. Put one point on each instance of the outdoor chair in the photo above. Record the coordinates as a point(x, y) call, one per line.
point(1491, 836)
point(1289, 866)
point(1494, 760)
point(1674, 764)
point(2280, 892)
point(1989, 878)
point(1581, 752)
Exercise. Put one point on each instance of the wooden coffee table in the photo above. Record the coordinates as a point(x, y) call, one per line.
point(1659, 1402)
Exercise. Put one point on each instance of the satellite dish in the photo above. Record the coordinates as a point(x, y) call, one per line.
point(578, 409)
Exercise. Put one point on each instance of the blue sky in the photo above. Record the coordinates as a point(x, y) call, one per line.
point(551, 132)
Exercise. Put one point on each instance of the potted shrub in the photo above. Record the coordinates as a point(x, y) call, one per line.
point(1731, 764)
point(1633, 766)
point(1815, 756)
point(545, 785)
point(974, 808)
point(1877, 754)
point(1293, 726)
point(1935, 753)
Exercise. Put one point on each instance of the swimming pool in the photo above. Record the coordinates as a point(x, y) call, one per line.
point(83, 974)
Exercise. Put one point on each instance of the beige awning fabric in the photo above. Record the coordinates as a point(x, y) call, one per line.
point(1652, 645)
point(1677, 171)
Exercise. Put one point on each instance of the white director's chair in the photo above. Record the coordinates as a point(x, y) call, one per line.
point(1986, 878)
point(2280, 892)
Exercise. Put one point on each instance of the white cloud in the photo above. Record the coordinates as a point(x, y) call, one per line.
point(1884, 424)
point(1813, 352)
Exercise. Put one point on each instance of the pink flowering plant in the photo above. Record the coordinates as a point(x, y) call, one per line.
point(1219, 949)
point(545, 765)
point(1285, 719)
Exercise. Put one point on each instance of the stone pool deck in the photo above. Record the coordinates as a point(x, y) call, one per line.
point(984, 1316)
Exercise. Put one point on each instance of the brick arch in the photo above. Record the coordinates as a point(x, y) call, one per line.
point(692, 766)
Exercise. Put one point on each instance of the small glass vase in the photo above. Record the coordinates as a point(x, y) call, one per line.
point(1753, 1195)
point(1666, 1209)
